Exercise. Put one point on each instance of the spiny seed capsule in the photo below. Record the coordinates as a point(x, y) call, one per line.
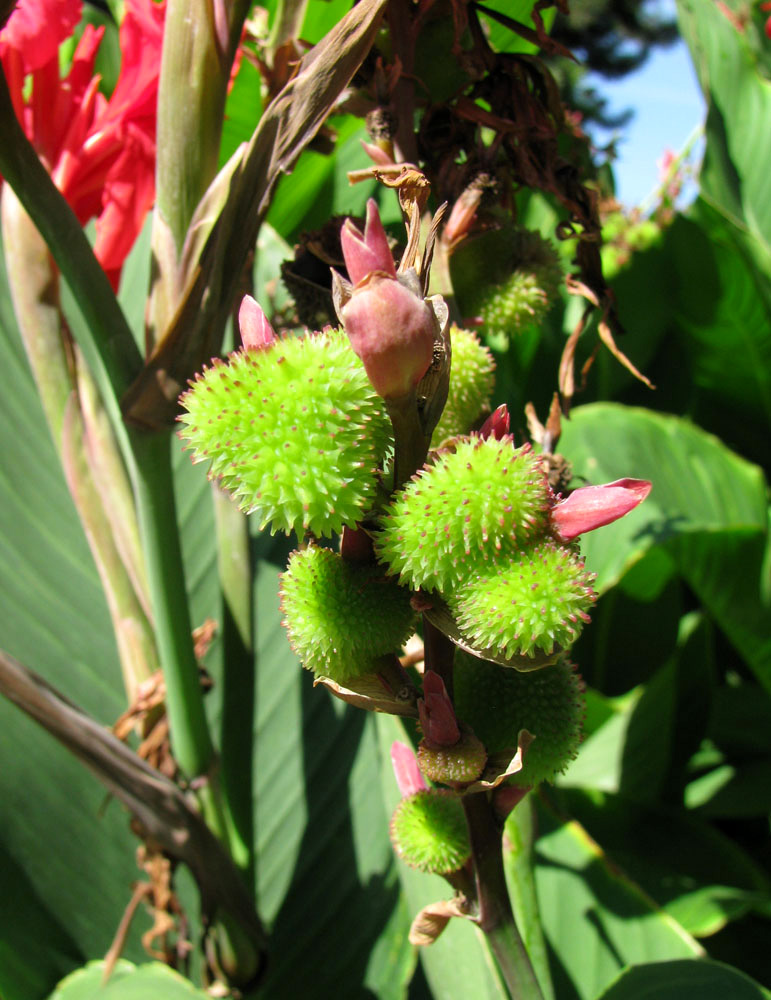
point(295, 432)
point(498, 703)
point(538, 601)
point(428, 831)
point(455, 515)
point(509, 277)
point(340, 615)
point(471, 386)
point(461, 763)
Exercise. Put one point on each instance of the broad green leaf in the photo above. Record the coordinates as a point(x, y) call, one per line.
point(595, 919)
point(733, 791)
point(699, 980)
point(698, 875)
point(735, 177)
point(127, 982)
point(721, 299)
point(71, 853)
point(324, 869)
point(707, 504)
point(459, 964)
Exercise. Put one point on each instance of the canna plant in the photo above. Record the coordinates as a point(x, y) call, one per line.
point(297, 428)
point(339, 665)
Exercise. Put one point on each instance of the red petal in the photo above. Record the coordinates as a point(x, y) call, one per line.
point(591, 507)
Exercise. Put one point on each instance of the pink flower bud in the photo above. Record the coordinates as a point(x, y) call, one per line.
point(591, 507)
point(497, 424)
point(256, 331)
point(437, 716)
point(367, 252)
point(392, 330)
point(408, 775)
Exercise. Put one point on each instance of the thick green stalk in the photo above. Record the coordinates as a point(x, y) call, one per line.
point(199, 43)
point(495, 917)
point(154, 486)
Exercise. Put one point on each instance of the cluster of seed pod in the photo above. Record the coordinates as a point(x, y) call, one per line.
point(475, 527)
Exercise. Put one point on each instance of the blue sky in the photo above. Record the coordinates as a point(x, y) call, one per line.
point(668, 106)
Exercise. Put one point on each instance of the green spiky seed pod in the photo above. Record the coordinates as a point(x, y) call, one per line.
point(461, 763)
point(471, 386)
point(538, 601)
point(295, 432)
point(340, 615)
point(455, 515)
point(428, 831)
point(509, 277)
point(498, 703)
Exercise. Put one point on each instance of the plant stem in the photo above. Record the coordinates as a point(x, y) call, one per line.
point(191, 742)
point(495, 917)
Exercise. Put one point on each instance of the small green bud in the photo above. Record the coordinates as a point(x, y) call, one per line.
point(537, 601)
point(294, 431)
point(498, 702)
point(341, 616)
point(461, 763)
point(428, 831)
point(471, 386)
point(507, 277)
point(455, 515)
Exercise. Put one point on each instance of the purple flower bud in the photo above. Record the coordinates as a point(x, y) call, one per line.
point(392, 330)
point(592, 507)
point(256, 331)
point(437, 716)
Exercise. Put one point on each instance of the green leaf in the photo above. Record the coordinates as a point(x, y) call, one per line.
point(701, 980)
point(127, 982)
point(595, 919)
point(700, 876)
point(71, 853)
point(325, 874)
point(707, 504)
point(720, 296)
point(735, 176)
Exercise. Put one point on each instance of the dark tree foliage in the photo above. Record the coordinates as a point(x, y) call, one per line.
point(610, 37)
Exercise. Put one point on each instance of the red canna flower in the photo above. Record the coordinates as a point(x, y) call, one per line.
point(592, 507)
point(100, 153)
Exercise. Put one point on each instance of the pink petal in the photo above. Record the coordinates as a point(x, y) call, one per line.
point(591, 507)
point(378, 156)
point(367, 252)
point(406, 770)
point(256, 331)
